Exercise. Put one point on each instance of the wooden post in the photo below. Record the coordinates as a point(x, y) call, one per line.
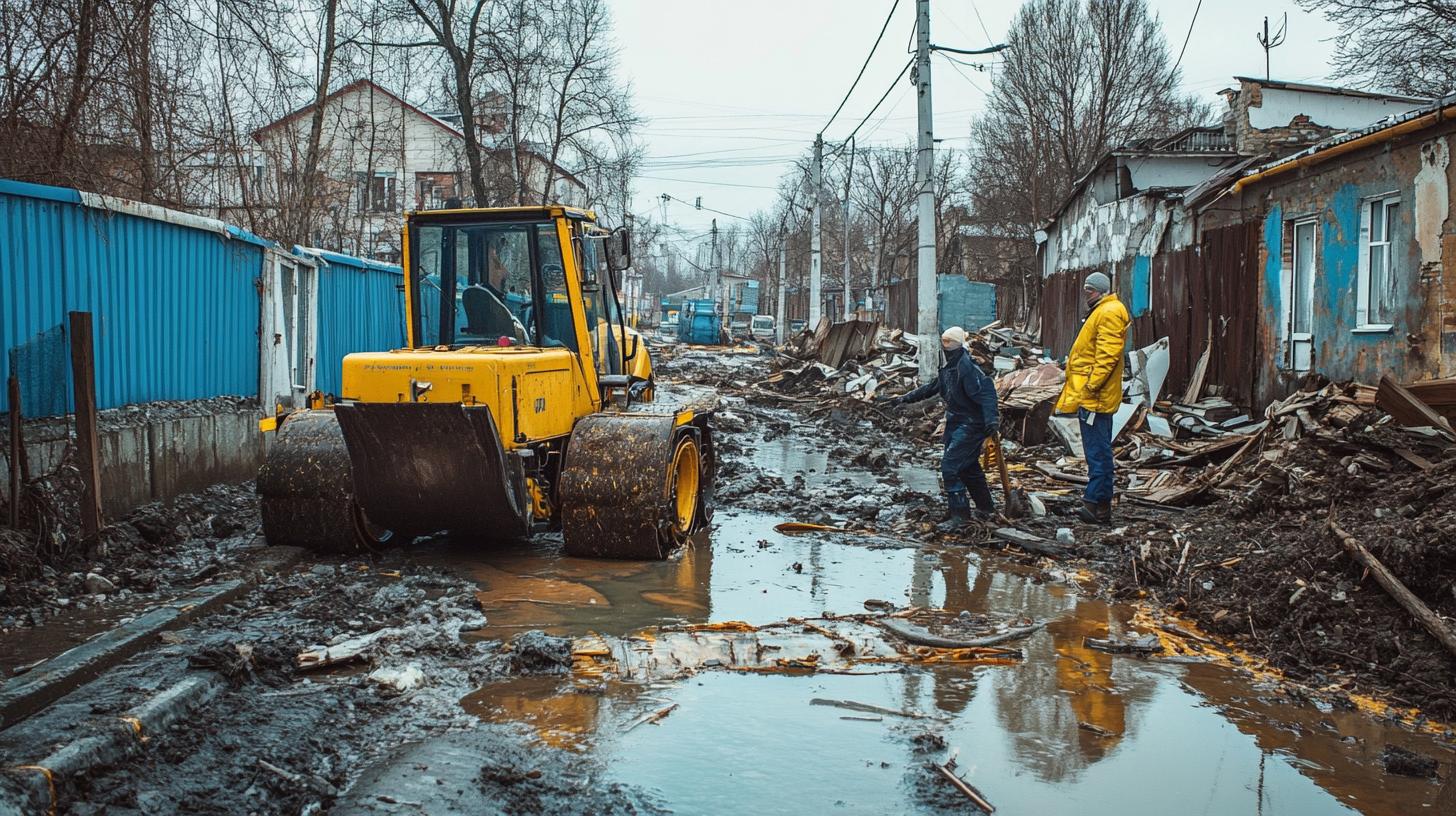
point(17, 449)
point(1429, 620)
point(88, 452)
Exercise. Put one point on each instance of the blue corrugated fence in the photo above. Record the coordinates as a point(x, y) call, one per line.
point(174, 299)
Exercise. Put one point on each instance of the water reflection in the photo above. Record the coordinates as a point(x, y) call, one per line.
point(1067, 724)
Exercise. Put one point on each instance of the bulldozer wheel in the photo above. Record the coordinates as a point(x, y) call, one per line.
point(634, 485)
point(307, 489)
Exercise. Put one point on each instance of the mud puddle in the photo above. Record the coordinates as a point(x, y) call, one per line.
point(1067, 724)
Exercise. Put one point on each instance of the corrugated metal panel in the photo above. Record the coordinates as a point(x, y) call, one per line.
point(965, 303)
point(361, 308)
point(175, 307)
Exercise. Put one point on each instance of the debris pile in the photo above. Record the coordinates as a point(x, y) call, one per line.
point(1297, 522)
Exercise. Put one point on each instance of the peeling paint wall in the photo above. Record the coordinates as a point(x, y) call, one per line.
point(1419, 343)
point(1107, 236)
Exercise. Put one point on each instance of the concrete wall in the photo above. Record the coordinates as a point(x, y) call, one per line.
point(1422, 342)
point(157, 451)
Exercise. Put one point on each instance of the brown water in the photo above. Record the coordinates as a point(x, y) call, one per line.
point(1165, 737)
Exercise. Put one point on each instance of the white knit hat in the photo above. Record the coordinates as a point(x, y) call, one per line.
point(956, 334)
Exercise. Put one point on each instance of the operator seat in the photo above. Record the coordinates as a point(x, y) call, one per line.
point(487, 316)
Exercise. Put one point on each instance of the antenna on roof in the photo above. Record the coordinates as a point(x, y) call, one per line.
point(1271, 43)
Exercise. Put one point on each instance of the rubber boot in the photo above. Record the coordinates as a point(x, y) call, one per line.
point(981, 495)
point(958, 510)
point(1095, 512)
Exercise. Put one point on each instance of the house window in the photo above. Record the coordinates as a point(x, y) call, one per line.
point(1380, 271)
point(433, 190)
point(377, 192)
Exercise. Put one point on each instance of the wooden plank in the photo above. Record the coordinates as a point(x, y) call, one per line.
point(88, 451)
point(1408, 409)
point(1403, 596)
point(1436, 393)
point(1195, 380)
point(17, 449)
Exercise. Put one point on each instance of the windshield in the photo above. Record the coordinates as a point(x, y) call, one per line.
point(763, 322)
point(490, 284)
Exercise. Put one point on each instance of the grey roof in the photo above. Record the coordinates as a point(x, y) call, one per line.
point(1330, 89)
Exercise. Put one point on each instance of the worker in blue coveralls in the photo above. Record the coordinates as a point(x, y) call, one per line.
point(970, 417)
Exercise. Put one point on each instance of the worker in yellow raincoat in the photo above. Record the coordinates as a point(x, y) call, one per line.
point(1093, 390)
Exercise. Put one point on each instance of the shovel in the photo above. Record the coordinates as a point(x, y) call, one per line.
point(1016, 503)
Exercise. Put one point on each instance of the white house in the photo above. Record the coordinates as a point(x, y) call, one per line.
point(379, 156)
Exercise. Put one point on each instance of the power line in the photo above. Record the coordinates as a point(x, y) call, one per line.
point(862, 68)
point(667, 197)
point(881, 101)
point(1187, 37)
point(712, 183)
point(964, 75)
point(984, 30)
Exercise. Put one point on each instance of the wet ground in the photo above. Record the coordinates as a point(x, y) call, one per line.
point(1065, 728)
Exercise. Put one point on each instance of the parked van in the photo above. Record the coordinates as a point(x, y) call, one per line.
point(762, 328)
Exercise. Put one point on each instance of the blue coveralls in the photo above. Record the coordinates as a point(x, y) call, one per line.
point(970, 416)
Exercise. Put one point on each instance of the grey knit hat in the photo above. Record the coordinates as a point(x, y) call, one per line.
point(1098, 282)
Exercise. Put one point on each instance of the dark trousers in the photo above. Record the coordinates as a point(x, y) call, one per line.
point(1097, 447)
point(960, 465)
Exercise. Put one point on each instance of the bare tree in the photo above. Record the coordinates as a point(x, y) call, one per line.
point(1406, 46)
point(1080, 77)
point(455, 28)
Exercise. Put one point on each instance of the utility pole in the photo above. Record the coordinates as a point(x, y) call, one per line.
point(783, 265)
point(848, 302)
point(816, 178)
point(713, 270)
point(927, 314)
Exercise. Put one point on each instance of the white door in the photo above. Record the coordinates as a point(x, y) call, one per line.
point(288, 331)
point(1300, 330)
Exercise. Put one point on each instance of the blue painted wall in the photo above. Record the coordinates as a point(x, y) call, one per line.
point(1341, 352)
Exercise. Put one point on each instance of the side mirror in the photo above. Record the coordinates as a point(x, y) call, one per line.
point(619, 250)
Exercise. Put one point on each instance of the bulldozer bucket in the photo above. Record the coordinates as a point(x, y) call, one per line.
point(422, 468)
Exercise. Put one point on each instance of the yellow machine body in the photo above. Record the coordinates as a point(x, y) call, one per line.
point(480, 430)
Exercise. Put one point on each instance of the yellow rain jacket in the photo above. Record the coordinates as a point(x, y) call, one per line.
point(1094, 366)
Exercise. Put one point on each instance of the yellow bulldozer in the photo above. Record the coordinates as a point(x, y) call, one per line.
point(521, 403)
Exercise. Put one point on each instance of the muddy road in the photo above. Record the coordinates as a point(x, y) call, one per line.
point(761, 670)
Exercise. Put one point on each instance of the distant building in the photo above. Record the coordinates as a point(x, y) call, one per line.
point(379, 155)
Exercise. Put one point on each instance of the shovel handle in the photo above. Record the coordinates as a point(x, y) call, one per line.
point(1001, 466)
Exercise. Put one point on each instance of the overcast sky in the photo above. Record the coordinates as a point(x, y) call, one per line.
point(734, 90)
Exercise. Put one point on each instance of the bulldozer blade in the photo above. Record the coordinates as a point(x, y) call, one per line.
point(615, 494)
point(422, 468)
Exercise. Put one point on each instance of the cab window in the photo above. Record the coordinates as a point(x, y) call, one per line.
point(478, 284)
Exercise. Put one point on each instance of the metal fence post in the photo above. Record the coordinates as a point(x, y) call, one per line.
point(88, 453)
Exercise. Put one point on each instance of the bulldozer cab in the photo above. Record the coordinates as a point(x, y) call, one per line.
point(521, 278)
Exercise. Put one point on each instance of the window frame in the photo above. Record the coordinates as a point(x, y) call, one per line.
point(1363, 323)
point(1293, 293)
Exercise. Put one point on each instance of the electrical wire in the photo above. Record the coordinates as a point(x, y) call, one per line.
point(699, 207)
point(862, 68)
point(964, 75)
point(881, 101)
point(711, 183)
point(1186, 38)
